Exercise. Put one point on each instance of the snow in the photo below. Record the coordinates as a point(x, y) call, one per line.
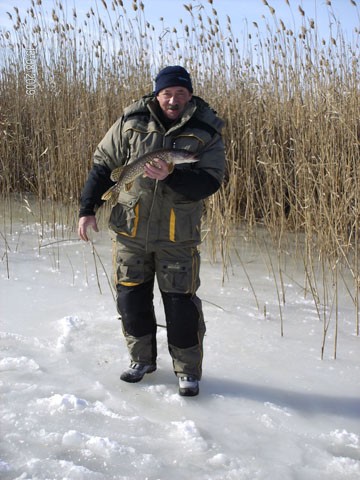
point(269, 407)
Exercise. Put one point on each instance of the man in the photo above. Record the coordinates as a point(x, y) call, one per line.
point(156, 223)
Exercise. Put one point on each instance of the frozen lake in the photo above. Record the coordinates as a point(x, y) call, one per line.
point(269, 407)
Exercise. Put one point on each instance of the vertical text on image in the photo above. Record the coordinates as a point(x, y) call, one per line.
point(30, 71)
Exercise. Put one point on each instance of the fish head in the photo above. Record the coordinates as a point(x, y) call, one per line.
point(177, 156)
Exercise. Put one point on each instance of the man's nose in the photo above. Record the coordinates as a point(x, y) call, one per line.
point(172, 99)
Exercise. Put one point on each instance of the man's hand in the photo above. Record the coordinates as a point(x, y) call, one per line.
point(158, 171)
point(84, 224)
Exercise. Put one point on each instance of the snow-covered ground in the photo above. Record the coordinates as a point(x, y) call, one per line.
point(269, 407)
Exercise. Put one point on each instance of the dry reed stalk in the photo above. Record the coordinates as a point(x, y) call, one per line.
point(248, 278)
point(290, 101)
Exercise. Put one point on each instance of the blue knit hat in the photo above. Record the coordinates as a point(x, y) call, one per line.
point(174, 76)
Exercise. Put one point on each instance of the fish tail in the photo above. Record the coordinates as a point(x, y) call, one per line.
point(108, 194)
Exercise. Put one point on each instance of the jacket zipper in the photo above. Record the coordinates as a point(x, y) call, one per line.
point(150, 215)
point(155, 189)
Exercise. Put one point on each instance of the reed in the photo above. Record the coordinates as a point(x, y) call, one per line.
point(290, 100)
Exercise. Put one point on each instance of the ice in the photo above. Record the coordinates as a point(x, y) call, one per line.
point(62, 402)
point(18, 363)
point(269, 407)
point(68, 325)
point(188, 433)
point(101, 446)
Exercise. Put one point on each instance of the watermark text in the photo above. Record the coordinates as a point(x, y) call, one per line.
point(30, 71)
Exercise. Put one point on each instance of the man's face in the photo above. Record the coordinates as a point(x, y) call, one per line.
point(173, 100)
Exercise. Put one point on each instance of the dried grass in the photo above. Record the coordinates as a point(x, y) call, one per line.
point(290, 102)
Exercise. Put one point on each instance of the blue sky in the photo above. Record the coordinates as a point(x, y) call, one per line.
point(242, 12)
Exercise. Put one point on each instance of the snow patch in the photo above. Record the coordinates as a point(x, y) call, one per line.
point(16, 338)
point(276, 408)
point(345, 450)
point(102, 446)
point(68, 326)
point(189, 434)
point(57, 469)
point(344, 466)
point(166, 393)
point(343, 437)
point(24, 364)
point(4, 467)
point(219, 460)
point(61, 403)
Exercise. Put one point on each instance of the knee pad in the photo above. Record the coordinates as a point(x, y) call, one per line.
point(182, 319)
point(135, 305)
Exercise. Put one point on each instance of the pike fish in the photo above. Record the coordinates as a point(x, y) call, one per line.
point(125, 176)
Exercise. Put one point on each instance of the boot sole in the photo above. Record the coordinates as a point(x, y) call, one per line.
point(188, 392)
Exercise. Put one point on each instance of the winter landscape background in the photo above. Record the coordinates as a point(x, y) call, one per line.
point(269, 407)
point(285, 78)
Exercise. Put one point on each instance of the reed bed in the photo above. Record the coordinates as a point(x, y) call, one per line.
point(290, 100)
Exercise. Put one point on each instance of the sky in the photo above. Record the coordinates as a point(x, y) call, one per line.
point(242, 12)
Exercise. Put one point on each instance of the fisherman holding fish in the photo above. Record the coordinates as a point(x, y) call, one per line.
point(165, 155)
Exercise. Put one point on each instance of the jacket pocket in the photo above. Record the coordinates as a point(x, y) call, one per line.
point(124, 217)
point(184, 222)
point(187, 141)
